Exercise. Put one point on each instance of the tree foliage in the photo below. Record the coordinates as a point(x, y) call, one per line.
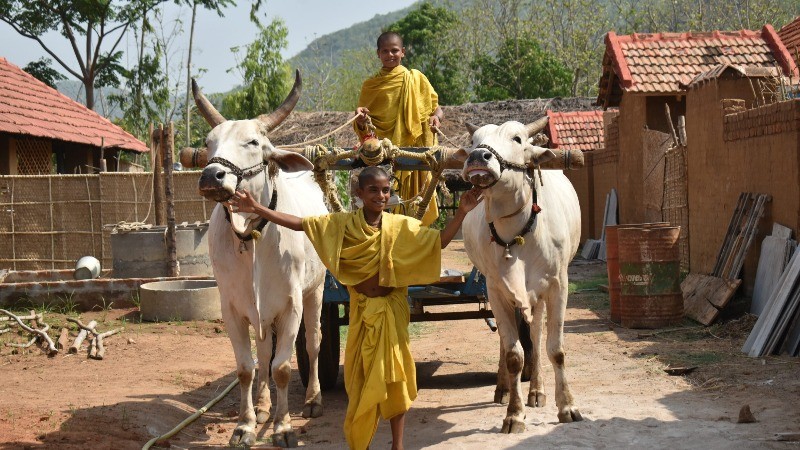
point(96, 26)
point(145, 94)
point(265, 76)
point(428, 33)
point(520, 69)
point(43, 71)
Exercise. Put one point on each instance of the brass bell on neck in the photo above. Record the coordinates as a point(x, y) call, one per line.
point(507, 253)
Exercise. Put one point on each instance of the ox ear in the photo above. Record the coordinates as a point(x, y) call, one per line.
point(290, 161)
point(460, 155)
point(471, 127)
point(535, 156)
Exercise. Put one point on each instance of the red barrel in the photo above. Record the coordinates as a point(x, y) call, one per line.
point(649, 266)
point(612, 267)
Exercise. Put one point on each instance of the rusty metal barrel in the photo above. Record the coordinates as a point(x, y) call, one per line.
point(649, 266)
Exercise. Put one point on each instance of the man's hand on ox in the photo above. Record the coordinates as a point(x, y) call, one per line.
point(470, 199)
point(243, 201)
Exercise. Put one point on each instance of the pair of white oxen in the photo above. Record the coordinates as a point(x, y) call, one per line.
point(272, 282)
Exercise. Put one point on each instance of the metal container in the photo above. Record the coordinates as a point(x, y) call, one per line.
point(649, 265)
point(142, 253)
point(179, 300)
point(87, 268)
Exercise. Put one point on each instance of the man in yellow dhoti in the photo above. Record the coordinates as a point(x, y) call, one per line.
point(403, 107)
point(377, 255)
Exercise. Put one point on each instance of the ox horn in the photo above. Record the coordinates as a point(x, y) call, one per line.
point(279, 115)
point(536, 127)
point(471, 127)
point(206, 109)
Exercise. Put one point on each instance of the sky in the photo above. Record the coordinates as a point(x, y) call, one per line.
point(214, 35)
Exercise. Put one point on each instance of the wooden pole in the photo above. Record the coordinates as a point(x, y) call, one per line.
point(169, 144)
point(158, 189)
point(63, 339)
point(76, 345)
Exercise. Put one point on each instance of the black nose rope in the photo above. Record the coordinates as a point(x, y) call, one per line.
point(503, 163)
point(535, 208)
point(241, 174)
point(235, 170)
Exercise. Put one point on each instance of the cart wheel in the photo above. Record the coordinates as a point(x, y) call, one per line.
point(527, 347)
point(328, 351)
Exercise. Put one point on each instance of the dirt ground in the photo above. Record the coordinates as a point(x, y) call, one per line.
point(155, 375)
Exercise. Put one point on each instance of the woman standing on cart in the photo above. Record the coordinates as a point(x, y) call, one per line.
point(404, 108)
point(377, 255)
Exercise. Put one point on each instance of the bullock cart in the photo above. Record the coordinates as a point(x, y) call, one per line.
point(468, 291)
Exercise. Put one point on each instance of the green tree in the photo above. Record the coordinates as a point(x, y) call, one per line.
point(520, 69)
point(42, 71)
point(265, 75)
point(143, 96)
point(574, 32)
point(213, 5)
point(427, 33)
point(97, 26)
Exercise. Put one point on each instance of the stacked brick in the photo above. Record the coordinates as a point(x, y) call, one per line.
point(765, 120)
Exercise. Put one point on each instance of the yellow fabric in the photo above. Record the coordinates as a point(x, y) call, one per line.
point(400, 101)
point(379, 372)
point(402, 251)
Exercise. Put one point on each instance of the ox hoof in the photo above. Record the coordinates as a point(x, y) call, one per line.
point(262, 415)
point(312, 410)
point(512, 425)
point(569, 414)
point(501, 396)
point(242, 436)
point(537, 399)
point(286, 439)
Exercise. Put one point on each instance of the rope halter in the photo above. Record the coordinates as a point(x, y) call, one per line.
point(235, 170)
point(503, 163)
point(535, 208)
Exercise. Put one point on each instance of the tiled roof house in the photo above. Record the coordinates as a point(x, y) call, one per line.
point(657, 64)
point(37, 121)
point(646, 74)
point(790, 36)
point(584, 131)
point(575, 130)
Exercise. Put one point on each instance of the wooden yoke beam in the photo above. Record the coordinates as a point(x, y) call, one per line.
point(374, 152)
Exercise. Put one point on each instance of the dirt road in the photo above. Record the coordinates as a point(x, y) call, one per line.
point(155, 375)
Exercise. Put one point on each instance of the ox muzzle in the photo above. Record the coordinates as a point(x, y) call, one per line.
point(214, 183)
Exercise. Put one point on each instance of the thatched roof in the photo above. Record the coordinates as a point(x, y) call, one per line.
point(301, 126)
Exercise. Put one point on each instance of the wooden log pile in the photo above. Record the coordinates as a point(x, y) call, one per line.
point(37, 328)
point(704, 296)
point(96, 350)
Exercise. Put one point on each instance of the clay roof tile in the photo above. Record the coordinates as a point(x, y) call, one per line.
point(31, 107)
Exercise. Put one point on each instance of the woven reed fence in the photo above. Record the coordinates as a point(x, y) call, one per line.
point(50, 221)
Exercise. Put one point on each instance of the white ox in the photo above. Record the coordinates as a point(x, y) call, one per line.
point(532, 275)
point(267, 282)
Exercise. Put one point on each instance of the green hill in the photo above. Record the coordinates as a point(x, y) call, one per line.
point(360, 35)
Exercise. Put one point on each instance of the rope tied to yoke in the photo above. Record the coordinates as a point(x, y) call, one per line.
point(372, 152)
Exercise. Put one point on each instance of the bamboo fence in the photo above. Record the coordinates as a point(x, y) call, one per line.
point(50, 221)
